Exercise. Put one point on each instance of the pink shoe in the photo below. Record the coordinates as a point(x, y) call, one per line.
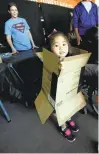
point(71, 124)
point(67, 133)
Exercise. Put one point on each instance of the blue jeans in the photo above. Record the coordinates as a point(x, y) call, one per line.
point(27, 51)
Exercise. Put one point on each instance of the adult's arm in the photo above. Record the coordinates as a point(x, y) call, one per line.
point(29, 34)
point(76, 24)
point(77, 36)
point(8, 34)
point(9, 40)
point(97, 15)
point(31, 39)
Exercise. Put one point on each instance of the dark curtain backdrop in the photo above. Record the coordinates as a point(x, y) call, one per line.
point(56, 17)
point(3, 18)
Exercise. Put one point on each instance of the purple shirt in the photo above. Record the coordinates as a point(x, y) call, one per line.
point(84, 20)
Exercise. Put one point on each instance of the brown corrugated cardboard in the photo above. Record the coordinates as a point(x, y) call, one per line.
point(60, 87)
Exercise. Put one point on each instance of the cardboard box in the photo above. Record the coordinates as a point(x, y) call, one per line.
point(0, 60)
point(60, 88)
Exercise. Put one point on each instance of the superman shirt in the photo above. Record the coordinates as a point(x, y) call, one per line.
point(17, 29)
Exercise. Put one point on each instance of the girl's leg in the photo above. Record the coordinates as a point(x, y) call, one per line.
point(67, 133)
point(72, 125)
point(64, 129)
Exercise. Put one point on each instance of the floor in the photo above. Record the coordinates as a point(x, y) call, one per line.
point(25, 133)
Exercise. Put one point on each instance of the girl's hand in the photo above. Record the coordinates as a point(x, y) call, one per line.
point(62, 65)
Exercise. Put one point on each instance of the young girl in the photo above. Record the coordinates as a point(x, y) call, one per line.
point(59, 44)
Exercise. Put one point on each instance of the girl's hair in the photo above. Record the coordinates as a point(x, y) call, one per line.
point(11, 4)
point(54, 35)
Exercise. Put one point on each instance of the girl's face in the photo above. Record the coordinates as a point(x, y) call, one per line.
point(60, 46)
point(13, 12)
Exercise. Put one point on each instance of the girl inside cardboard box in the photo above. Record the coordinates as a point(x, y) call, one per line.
point(59, 45)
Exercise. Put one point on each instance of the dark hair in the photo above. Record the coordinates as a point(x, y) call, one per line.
point(11, 4)
point(55, 34)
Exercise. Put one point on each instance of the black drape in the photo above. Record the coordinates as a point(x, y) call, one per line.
point(3, 18)
point(55, 17)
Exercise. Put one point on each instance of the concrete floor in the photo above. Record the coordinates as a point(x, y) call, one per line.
point(25, 133)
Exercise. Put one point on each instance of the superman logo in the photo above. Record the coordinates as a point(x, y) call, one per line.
point(20, 27)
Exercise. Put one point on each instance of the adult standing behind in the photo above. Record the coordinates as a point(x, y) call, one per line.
point(85, 16)
point(17, 31)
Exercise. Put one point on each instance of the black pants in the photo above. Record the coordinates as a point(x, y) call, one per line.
point(91, 70)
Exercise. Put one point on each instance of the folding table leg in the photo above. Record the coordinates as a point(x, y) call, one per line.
point(4, 111)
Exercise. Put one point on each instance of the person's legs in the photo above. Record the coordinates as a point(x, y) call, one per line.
point(90, 83)
point(91, 70)
point(72, 125)
point(90, 79)
point(64, 130)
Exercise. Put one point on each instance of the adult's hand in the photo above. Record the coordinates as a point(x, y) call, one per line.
point(14, 51)
point(79, 39)
point(35, 47)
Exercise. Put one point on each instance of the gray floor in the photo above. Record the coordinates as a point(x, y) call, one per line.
point(25, 133)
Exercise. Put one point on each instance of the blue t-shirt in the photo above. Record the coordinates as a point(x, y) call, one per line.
point(18, 30)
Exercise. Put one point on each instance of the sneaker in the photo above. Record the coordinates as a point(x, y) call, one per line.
point(71, 124)
point(67, 133)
